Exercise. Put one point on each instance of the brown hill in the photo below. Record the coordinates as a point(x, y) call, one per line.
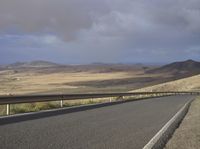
point(50, 67)
point(181, 69)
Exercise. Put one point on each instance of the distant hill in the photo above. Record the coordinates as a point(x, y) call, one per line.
point(50, 67)
point(177, 69)
point(32, 64)
point(189, 67)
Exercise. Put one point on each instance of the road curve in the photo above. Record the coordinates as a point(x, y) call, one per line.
point(124, 126)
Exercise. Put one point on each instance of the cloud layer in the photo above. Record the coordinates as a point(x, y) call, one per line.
point(106, 30)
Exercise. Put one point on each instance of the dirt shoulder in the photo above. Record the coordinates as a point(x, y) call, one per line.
point(187, 136)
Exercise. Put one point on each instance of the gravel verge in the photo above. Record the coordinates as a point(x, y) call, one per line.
point(187, 136)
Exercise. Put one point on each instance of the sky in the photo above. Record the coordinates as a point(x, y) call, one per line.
point(108, 31)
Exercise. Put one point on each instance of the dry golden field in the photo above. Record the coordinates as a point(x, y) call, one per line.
point(34, 82)
point(41, 77)
point(26, 83)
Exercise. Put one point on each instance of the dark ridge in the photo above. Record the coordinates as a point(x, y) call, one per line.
point(188, 67)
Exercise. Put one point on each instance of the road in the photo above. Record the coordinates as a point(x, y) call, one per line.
point(124, 126)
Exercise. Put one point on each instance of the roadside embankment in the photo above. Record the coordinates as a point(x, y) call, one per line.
point(187, 136)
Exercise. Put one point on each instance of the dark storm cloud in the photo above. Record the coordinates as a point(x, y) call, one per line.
point(106, 30)
point(62, 17)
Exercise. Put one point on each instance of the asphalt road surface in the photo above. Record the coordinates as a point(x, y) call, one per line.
point(124, 126)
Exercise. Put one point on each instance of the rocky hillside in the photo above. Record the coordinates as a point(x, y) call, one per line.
point(187, 68)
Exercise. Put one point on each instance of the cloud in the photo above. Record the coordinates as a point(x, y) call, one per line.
point(61, 17)
point(106, 30)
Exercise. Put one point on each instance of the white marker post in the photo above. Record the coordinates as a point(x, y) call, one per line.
point(61, 103)
point(8, 109)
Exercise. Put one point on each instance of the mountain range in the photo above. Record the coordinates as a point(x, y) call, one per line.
point(182, 68)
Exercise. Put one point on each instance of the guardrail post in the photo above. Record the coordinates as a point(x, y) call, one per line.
point(61, 103)
point(8, 109)
point(91, 101)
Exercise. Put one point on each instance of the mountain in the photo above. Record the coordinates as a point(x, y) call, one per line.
point(50, 67)
point(31, 64)
point(189, 67)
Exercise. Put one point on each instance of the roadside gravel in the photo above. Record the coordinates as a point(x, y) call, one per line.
point(187, 136)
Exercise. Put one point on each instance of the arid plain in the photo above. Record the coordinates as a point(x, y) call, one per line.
point(45, 78)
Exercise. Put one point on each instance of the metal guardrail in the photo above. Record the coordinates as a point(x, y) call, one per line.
point(7, 100)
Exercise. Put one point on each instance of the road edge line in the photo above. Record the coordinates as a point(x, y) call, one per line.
point(165, 133)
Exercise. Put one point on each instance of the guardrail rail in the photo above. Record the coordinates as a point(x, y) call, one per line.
point(8, 100)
